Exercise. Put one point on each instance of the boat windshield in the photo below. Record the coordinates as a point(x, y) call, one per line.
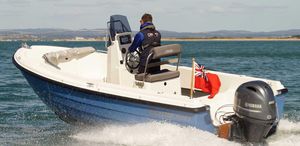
point(117, 24)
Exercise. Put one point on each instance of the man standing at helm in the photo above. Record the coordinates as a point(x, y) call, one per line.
point(147, 38)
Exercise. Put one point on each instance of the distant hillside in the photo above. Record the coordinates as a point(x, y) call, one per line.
point(50, 34)
point(233, 33)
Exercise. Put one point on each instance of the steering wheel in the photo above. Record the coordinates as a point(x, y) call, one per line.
point(132, 60)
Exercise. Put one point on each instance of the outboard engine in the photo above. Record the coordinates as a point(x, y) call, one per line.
point(255, 110)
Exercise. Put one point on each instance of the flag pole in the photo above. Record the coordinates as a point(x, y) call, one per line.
point(192, 78)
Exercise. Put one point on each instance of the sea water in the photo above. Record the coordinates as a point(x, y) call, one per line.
point(25, 120)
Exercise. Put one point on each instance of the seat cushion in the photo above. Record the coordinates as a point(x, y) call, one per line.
point(166, 50)
point(158, 76)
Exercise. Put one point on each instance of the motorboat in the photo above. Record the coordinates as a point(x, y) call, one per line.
point(89, 86)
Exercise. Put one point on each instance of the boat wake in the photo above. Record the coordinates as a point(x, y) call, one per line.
point(166, 134)
point(288, 134)
point(149, 134)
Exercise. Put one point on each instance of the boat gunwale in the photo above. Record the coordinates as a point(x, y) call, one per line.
point(111, 96)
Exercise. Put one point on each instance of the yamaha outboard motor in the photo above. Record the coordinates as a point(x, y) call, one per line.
point(255, 109)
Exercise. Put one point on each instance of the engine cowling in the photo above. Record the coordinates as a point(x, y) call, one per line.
point(255, 108)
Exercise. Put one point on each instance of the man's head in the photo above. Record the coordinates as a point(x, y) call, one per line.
point(146, 18)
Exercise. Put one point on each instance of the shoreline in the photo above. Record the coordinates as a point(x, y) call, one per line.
point(163, 39)
point(230, 39)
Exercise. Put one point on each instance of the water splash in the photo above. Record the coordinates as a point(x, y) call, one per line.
point(149, 134)
point(288, 134)
point(166, 134)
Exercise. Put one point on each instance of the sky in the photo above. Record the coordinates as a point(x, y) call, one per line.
point(173, 15)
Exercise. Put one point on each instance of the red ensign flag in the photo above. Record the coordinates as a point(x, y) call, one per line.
point(206, 82)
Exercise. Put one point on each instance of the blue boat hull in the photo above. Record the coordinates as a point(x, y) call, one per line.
point(73, 104)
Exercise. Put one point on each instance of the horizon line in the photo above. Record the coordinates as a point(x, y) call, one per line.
point(158, 29)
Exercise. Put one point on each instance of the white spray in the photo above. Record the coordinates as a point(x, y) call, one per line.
point(166, 134)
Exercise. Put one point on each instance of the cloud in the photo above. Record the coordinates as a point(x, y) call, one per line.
point(176, 15)
point(237, 6)
point(14, 3)
point(217, 9)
